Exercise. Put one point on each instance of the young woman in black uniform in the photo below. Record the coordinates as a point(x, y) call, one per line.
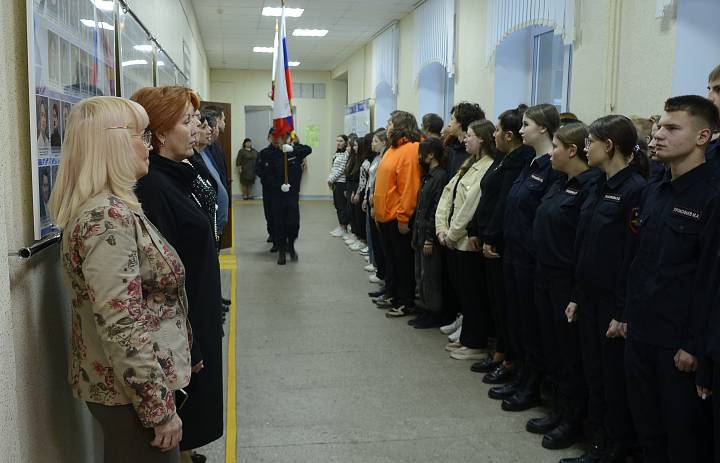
point(554, 233)
point(603, 250)
point(539, 125)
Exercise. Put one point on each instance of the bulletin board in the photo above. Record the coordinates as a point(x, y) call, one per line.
point(357, 118)
point(72, 55)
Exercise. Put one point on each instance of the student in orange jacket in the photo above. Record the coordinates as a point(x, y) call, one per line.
point(396, 188)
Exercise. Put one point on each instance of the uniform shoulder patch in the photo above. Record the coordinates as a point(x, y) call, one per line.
point(635, 222)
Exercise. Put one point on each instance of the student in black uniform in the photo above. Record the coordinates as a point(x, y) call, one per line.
point(486, 233)
point(539, 125)
point(667, 288)
point(261, 169)
point(604, 246)
point(712, 153)
point(554, 232)
point(284, 172)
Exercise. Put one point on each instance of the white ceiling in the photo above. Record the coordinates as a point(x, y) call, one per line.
point(231, 28)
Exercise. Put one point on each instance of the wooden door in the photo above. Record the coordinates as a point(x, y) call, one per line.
point(226, 240)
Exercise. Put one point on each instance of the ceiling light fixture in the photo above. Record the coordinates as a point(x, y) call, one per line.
point(134, 62)
point(263, 49)
point(293, 64)
point(289, 12)
point(161, 63)
point(143, 48)
point(310, 32)
point(103, 5)
point(100, 25)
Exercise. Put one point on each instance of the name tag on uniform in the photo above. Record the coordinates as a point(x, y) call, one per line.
point(572, 191)
point(292, 158)
point(681, 211)
point(537, 178)
point(614, 197)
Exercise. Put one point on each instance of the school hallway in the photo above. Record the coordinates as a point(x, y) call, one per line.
point(322, 376)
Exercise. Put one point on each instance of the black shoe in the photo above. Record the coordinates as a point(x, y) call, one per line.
point(505, 391)
point(269, 239)
point(596, 454)
point(281, 257)
point(500, 375)
point(427, 321)
point(225, 301)
point(376, 293)
point(563, 436)
point(274, 248)
point(524, 399)
point(545, 424)
point(225, 308)
point(198, 458)
point(485, 365)
point(293, 254)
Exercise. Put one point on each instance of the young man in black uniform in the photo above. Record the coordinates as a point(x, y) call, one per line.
point(284, 172)
point(668, 291)
point(712, 153)
point(261, 169)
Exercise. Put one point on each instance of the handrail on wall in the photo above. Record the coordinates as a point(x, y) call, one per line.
point(38, 246)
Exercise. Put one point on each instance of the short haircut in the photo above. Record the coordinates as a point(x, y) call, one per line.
point(404, 126)
point(245, 141)
point(545, 115)
point(697, 106)
point(465, 113)
point(165, 106)
point(215, 109)
point(435, 147)
point(210, 117)
point(432, 123)
point(714, 74)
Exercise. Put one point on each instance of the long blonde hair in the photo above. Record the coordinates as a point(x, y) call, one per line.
point(95, 159)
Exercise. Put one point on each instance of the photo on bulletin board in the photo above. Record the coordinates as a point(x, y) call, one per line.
point(71, 56)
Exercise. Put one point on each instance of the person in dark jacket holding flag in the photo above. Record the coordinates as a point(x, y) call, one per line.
point(261, 169)
point(284, 160)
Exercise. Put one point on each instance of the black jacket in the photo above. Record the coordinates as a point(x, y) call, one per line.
point(165, 194)
point(456, 155)
point(427, 203)
point(491, 189)
point(218, 155)
point(275, 173)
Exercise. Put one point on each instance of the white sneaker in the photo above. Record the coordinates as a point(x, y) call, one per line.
point(350, 237)
point(466, 353)
point(365, 250)
point(452, 327)
point(367, 258)
point(452, 346)
point(338, 232)
point(356, 246)
point(374, 279)
point(455, 336)
point(370, 268)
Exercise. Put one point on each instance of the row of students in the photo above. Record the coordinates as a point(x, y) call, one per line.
point(592, 281)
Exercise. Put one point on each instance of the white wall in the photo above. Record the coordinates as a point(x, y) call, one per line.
point(698, 45)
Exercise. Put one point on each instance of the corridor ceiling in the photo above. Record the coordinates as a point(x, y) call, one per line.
point(231, 28)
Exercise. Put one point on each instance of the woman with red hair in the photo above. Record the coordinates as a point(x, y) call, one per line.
point(169, 197)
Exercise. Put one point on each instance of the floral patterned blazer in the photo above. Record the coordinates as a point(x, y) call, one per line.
point(130, 334)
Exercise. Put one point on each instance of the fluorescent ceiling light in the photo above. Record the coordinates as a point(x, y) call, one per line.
point(134, 62)
point(103, 5)
point(289, 12)
point(145, 48)
point(161, 63)
point(310, 32)
point(294, 64)
point(100, 25)
point(263, 49)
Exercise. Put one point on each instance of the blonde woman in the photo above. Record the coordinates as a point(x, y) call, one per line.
point(129, 349)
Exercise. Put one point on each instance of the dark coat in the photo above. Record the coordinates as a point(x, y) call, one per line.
point(165, 194)
point(275, 173)
point(429, 194)
point(218, 156)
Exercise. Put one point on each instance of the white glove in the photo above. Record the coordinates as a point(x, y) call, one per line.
point(285, 187)
point(287, 148)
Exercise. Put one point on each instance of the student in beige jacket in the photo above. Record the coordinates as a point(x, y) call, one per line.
point(129, 350)
point(455, 210)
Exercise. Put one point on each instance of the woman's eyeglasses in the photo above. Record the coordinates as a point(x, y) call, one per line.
point(146, 136)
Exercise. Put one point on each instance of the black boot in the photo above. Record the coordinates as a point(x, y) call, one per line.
point(507, 390)
point(500, 375)
point(596, 454)
point(568, 431)
point(545, 424)
point(528, 396)
point(281, 256)
point(274, 248)
point(293, 254)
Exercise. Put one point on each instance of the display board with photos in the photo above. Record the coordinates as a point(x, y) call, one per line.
point(166, 72)
point(136, 55)
point(71, 51)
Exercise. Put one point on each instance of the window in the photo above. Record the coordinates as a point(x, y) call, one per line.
point(551, 70)
point(435, 91)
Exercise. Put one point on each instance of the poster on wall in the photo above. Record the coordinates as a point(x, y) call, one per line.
point(136, 56)
point(357, 118)
point(71, 56)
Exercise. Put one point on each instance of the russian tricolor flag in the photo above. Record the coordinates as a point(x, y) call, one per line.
point(282, 85)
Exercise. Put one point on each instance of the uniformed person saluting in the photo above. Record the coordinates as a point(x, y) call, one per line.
point(667, 296)
point(284, 172)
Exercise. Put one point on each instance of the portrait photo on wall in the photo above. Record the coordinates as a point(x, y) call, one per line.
point(65, 65)
point(65, 113)
point(43, 133)
point(45, 188)
point(55, 139)
point(53, 59)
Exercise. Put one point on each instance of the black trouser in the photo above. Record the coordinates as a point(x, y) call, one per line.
point(399, 264)
point(716, 410)
point(428, 278)
point(286, 218)
point(672, 422)
point(496, 297)
point(378, 250)
point(358, 221)
point(603, 364)
point(522, 315)
point(466, 272)
point(340, 201)
point(450, 301)
point(561, 344)
point(267, 198)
